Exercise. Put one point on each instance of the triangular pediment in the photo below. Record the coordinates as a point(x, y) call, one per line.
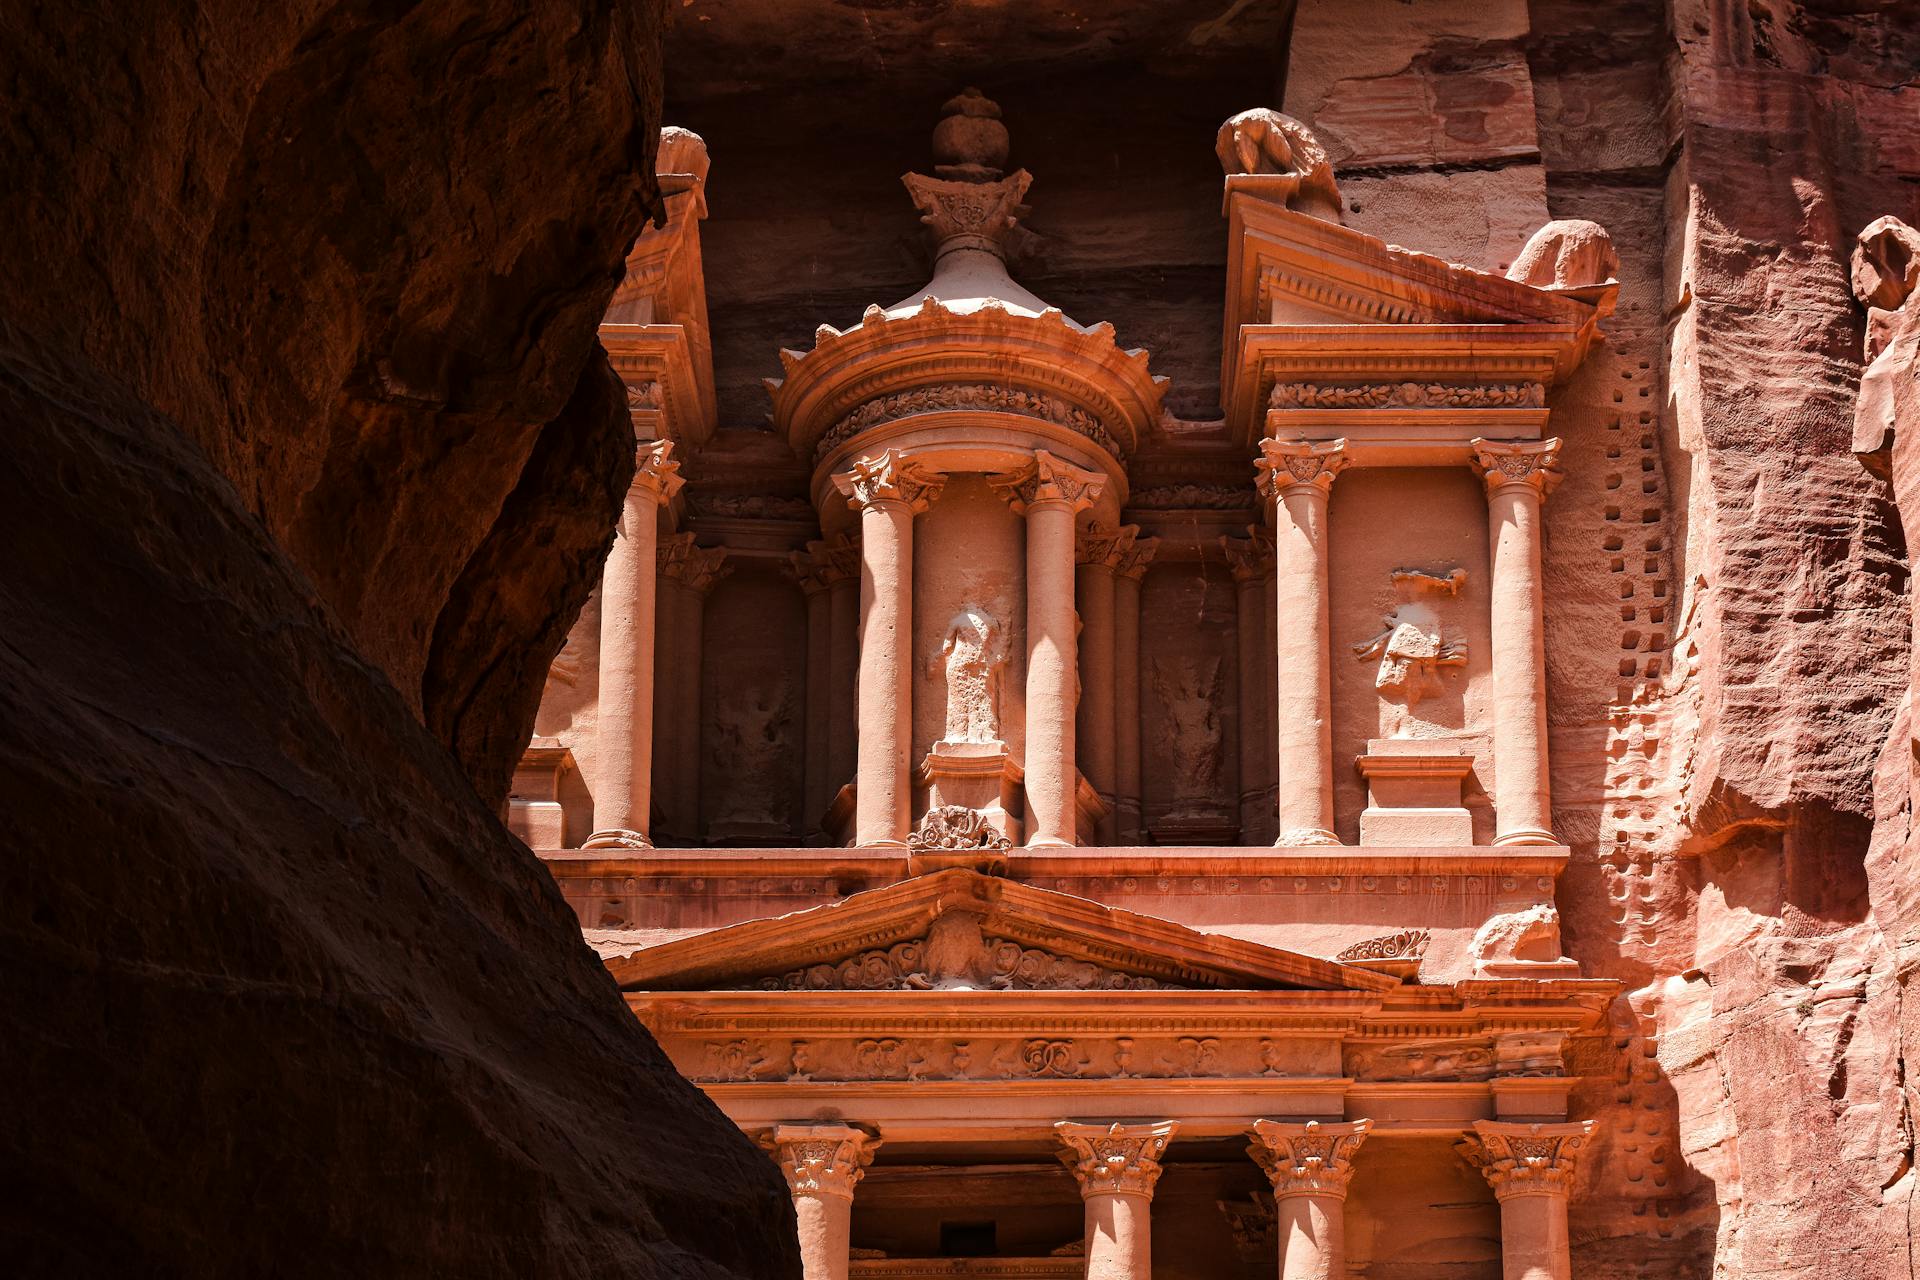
point(960, 930)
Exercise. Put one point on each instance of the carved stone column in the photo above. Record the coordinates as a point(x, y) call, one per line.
point(623, 737)
point(1518, 476)
point(1100, 552)
point(1531, 1169)
point(822, 1163)
point(1309, 1166)
point(888, 491)
point(1250, 563)
point(687, 573)
point(843, 666)
point(1297, 477)
point(1050, 493)
point(812, 570)
point(1116, 1166)
point(1126, 695)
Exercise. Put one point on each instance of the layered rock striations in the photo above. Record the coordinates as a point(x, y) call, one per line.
point(312, 460)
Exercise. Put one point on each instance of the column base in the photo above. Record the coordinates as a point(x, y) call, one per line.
point(1306, 837)
point(616, 838)
point(1526, 836)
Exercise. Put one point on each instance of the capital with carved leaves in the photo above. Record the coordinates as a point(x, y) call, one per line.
point(1520, 1159)
point(693, 567)
point(1105, 548)
point(654, 470)
point(1292, 465)
point(1248, 559)
point(1313, 1158)
point(1133, 565)
point(821, 1159)
point(1518, 464)
point(889, 476)
point(1115, 1159)
point(1048, 479)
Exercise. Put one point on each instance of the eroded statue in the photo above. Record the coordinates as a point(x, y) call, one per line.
point(1415, 644)
point(1266, 144)
point(1188, 691)
point(973, 657)
point(1567, 253)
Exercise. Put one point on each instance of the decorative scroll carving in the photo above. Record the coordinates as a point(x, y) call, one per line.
point(973, 657)
point(1407, 395)
point(1191, 497)
point(696, 568)
point(958, 396)
point(1408, 944)
point(1115, 1159)
point(655, 470)
point(1526, 1159)
point(1415, 645)
point(1282, 152)
point(821, 1160)
point(999, 965)
point(1506, 463)
point(1311, 1159)
point(1048, 479)
point(1288, 464)
point(1165, 1057)
point(1060, 1058)
point(889, 477)
point(955, 828)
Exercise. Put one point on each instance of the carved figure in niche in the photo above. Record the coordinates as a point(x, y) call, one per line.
point(1266, 143)
point(1188, 690)
point(752, 731)
point(1415, 644)
point(974, 655)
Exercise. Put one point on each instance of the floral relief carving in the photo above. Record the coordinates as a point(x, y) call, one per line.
point(952, 828)
point(1191, 497)
point(1115, 1159)
point(1408, 944)
point(1526, 1159)
point(1307, 1159)
point(1003, 965)
point(959, 396)
point(1407, 395)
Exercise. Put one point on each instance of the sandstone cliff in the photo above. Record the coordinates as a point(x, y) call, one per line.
point(311, 459)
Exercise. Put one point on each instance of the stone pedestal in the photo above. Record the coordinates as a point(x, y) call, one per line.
point(888, 491)
point(1116, 1166)
point(1413, 794)
point(1530, 1167)
point(822, 1164)
point(1297, 478)
point(1518, 476)
point(1309, 1165)
point(534, 810)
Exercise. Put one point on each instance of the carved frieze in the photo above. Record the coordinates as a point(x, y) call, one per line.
point(1191, 497)
point(1427, 1060)
point(1408, 944)
point(1407, 395)
point(1009, 967)
point(962, 396)
point(752, 506)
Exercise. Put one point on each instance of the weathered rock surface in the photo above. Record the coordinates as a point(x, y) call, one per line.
point(312, 456)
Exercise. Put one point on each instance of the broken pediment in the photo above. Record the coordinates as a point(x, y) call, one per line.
point(958, 930)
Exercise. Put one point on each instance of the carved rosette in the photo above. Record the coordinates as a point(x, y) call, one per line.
point(1115, 1159)
point(821, 1159)
point(889, 477)
point(1310, 1159)
point(655, 471)
point(1105, 548)
point(1509, 464)
point(1526, 1159)
point(1048, 479)
point(1288, 466)
point(1133, 565)
point(695, 568)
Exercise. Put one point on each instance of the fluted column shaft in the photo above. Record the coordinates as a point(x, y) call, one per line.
point(623, 736)
point(1309, 1166)
point(1126, 694)
point(822, 1164)
point(1116, 1166)
point(887, 491)
point(1298, 478)
point(1530, 1167)
point(1100, 551)
point(1051, 493)
point(1518, 478)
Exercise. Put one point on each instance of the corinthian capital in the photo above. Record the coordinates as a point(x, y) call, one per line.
point(1115, 1159)
point(655, 471)
point(1248, 559)
point(888, 477)
point(1526, 1159)
point(1047, 479)
point(1290, 465)
point(696, 568)
point(1104, 547)
point(1134, 564)
point(1310, 1159)
point(821, 1159)
point(1504, 464)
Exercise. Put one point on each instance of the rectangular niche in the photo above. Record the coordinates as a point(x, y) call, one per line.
point(1189, 705)
point(753, 695)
